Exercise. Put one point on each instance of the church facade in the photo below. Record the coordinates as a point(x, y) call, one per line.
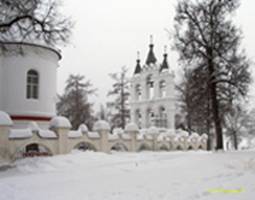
point(152, 93)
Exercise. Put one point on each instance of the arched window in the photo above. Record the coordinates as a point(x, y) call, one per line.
point(138, 92)
point(150, 87)
point(162, 89)
point(32, 84)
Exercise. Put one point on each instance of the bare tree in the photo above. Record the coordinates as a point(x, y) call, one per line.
point(206, 38)
point(234, 121)
point(74, 103)
point(239, 122)
point(119, 105)
point(33, 21)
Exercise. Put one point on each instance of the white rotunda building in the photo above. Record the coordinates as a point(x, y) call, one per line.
point(152, 93)
point(28, 83)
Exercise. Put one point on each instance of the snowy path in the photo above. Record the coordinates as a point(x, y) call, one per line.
point(127, 176)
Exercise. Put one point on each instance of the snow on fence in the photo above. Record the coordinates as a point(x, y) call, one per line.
point(60, 139)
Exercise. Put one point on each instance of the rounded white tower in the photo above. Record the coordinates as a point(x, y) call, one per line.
point(28, 83)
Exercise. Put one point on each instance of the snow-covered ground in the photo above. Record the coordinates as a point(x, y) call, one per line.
point(132, 176)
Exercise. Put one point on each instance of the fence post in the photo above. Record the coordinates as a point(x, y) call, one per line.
point(103, 128)
point(154, 132)
point(132, 129)
point(61, 126)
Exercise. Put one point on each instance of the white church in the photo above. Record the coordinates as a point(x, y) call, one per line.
point(152, 93)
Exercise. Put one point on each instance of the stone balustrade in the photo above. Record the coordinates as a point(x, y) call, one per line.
point(60, 139)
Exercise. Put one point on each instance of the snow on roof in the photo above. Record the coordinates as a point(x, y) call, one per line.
point(101, 125)
point(60, 122)
point(48, 134)
point(131, 127)
point(93, 135)
point(75, 134)
point(28, 132)
point(20, 133)
point(5, 119)
point(83, 128)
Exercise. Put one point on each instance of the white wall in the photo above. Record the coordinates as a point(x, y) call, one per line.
point(13, 81)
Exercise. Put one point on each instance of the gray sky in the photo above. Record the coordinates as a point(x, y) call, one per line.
point(108, 33)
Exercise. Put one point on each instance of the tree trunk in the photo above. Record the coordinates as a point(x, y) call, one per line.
point(216, 117)
point(235, 140)
point(189, 126)
point(215, 104)
point(209, 140)
point(208, 123)
point(189, 123)
point(123, 122)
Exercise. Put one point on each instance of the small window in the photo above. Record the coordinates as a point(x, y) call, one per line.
point(162, 89)
point(150, 87)
point(32, 84)
point(138, 92)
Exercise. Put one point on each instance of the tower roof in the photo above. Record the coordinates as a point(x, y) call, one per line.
point(151, 58)
point(164, 65)
point(138, 67)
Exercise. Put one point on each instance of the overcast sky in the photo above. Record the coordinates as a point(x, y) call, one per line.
point(108, 33)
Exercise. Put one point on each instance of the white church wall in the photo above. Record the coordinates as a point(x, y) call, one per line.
point(15, 68)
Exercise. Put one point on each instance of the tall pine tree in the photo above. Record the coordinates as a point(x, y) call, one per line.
point(119, 105)
point(74, 103)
